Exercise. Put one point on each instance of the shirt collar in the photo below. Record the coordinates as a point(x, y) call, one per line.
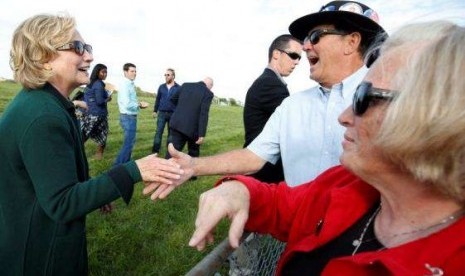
point(350, 83)
point(278, 75)
point(128, 80)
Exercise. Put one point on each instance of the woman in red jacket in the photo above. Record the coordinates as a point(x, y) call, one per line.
point(396, 205)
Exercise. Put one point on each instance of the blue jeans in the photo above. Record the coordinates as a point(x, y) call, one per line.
point(129, 125)
point(163, 118)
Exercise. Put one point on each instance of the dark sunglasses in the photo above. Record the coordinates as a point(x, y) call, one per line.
point(366, 93)
point(315, 35)
point(78, 46)
point(292, 55)
point(167, 75)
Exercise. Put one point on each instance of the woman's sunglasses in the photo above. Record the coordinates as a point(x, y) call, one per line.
point(78, 46)
point(366, 93)
point(315, 35)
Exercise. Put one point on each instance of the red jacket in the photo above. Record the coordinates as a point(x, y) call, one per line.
point(310, 215)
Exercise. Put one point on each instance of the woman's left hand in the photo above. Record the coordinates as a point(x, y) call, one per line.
point(230, 199)
point(107, 208)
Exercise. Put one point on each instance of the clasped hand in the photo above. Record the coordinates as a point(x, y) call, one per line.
point(230, 199)
point(161, 190)
point(159, 171)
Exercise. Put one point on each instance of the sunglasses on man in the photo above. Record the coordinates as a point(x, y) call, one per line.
point(314, 36)
point(365, 94)
point(78, 46)
point(292, 55)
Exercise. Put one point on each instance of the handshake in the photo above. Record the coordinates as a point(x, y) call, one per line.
point(162, 176)
point(230, 199)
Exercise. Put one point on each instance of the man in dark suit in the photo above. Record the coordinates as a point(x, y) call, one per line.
point(266, 93)
point(190, 118)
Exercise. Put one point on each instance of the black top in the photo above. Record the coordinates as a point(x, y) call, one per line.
point(263, 97)
point(313, 262)
point(266, 93)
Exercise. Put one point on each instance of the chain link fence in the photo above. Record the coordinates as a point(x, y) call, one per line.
point(256, 256)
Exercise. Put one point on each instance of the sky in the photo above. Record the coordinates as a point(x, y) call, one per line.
point(227, 40)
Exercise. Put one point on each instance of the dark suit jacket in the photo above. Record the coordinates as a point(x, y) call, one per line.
point(192, 102)
point(266, 93)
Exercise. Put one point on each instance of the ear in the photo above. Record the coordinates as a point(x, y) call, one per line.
point(47, 66)
point(353, 41)
point(275, 54)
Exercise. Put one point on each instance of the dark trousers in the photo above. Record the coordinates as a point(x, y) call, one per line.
point(163, 118)
point(179, 140)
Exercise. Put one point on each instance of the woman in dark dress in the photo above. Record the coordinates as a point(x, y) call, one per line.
point(94, 123)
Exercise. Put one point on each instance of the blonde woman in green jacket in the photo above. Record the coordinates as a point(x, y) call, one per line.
point(45, 189)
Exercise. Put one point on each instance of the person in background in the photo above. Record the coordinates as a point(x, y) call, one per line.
point(189, 121)
point(266, 93)
point(94, 122)
point(164, 108)
point(304, 130)
point(128, 106)
point(45, 188)
point(396, 205)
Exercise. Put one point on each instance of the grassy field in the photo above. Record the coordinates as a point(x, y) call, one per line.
point(146, 238)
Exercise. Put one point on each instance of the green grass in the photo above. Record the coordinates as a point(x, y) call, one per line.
point(147, 238)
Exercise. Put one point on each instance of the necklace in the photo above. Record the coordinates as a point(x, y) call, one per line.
point(358, 242)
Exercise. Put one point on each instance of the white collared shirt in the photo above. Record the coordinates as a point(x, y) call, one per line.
point(127, 97)
point(304, 129)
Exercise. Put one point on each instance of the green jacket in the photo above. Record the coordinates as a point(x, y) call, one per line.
point(45, 190)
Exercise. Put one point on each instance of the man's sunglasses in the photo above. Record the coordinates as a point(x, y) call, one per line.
point(315, 35)
point(366, 93)
point(78, 46)
point(292, 55)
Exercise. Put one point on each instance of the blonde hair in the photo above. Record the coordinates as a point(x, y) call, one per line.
point(424, 128)
point(34, 43)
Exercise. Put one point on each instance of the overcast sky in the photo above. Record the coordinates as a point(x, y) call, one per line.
point(227, 40)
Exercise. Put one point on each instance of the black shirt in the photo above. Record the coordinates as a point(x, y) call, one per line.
point(313, 262)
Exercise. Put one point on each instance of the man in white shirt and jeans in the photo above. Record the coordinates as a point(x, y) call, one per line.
point(128, 106)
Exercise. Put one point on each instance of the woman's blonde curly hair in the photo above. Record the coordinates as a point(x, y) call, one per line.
point(34, 43)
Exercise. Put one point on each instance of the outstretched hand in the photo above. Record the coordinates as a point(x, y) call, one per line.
point(162, 190)
point(158, 170)
point(231, 199)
